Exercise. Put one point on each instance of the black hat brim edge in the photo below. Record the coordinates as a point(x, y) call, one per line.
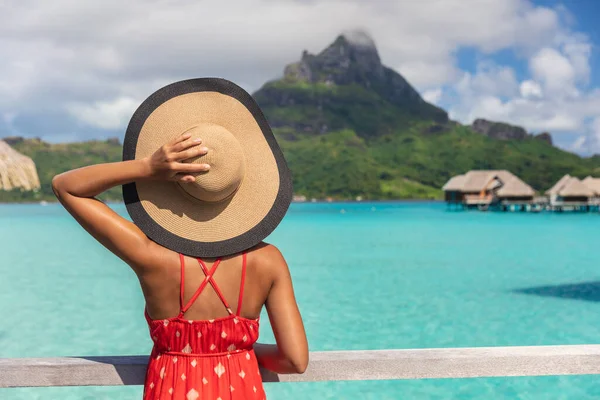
point(191, 247)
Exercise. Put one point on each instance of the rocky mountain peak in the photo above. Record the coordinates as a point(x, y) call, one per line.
point(504, 131)
point(353, 59)
point(353, 49)
point(498, 130)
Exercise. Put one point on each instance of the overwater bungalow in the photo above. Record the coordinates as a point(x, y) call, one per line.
point(570, 194)
point(594, 184)
point(481, 189)
point(452, 190)
point(515, 195)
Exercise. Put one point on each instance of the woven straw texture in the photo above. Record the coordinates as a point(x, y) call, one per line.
point(215, 207)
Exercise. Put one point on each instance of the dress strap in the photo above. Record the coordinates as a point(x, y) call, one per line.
point(182, 285)
point(206, 280)
point(211, 280)
point(239, 306)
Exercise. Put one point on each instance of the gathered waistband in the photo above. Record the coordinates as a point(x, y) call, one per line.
point(221, 354)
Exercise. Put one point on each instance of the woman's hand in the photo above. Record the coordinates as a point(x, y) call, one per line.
point(167, 163)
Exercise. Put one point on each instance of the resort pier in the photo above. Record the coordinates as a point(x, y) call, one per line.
point(328, 366)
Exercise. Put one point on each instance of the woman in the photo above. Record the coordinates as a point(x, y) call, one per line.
point(204, 182)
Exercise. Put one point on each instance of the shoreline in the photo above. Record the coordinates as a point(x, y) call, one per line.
point(46, 202)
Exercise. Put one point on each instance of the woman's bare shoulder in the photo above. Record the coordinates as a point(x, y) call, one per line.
point(267, 258)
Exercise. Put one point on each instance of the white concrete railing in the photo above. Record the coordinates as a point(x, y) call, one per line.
point(328, 366)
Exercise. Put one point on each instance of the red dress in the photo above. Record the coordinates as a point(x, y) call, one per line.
point(208, 359)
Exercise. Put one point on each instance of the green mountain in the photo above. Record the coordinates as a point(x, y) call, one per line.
point(350, 126)
point(344, 87)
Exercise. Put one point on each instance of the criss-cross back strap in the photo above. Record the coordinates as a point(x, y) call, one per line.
point(207, 279)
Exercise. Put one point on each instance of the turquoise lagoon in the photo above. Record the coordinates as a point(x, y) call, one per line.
point(367, 276)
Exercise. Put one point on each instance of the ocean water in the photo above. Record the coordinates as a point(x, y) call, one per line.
point(366, 275)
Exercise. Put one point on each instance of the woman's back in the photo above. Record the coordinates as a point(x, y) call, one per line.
point(216, 344)
point(162, 284)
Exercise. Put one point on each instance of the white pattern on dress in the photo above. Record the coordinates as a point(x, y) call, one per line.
point(219, 370)
point(187, 349)
point(192, 394)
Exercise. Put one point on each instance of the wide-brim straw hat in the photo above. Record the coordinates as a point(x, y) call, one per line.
point(236, 204)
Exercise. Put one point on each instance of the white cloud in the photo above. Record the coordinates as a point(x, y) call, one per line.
point(427, 74)
point(489, 79)
point(535, 114)
point(432, 95)
point(555, 71)
point(104, 114)
point(578, 49)
point(530, 89)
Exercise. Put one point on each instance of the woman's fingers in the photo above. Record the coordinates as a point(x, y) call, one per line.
point(190, 168)
point(190, 153)
point(180, 138)
point(185, 144)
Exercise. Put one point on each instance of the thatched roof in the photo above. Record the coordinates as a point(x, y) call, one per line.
point(592, 183)
point(16, 170)
point(516, 188)
point(478, 180)
point(454, 184)
point(558, 185)
point(575, 188)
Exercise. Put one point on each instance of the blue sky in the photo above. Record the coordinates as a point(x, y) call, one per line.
point(584, 17)
point(77, 70)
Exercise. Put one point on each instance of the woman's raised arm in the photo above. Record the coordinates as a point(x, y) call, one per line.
point(76, 190)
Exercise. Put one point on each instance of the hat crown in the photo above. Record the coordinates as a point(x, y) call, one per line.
point(227, 164)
